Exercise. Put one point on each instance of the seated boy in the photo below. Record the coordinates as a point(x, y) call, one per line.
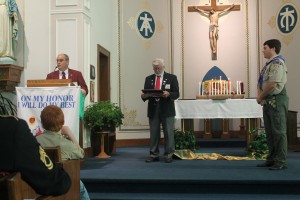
point(56, 134)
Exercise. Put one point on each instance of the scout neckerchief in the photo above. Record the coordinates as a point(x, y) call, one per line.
point(260, 79)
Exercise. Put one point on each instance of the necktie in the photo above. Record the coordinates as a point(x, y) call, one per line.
point(63, 75)
point(157, 84)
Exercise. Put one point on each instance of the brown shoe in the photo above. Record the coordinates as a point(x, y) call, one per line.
point(152, 159)
point(278, 166)
point(265, 164)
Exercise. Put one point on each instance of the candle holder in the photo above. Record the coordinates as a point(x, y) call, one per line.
point(220, 89)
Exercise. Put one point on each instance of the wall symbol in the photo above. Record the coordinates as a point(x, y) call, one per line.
point(287, 19)
point(146, 25)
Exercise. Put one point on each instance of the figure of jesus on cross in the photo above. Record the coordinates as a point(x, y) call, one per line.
point(213, 12)
point(213, 27)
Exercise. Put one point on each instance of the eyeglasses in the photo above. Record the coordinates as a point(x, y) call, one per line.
point(59, 60)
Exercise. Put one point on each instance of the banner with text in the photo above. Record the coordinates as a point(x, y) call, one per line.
point(32, 100)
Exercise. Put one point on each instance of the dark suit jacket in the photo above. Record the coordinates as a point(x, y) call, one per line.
point(167, 106)
point(75, 75)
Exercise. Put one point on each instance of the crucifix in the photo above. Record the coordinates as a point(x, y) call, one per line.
point(213, 12)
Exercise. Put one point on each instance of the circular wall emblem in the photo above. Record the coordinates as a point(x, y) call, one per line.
point(287, 19)
point(146, 25)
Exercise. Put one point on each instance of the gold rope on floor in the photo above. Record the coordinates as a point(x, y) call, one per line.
point(190, 155)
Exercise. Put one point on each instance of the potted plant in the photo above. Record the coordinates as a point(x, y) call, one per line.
point(185, 143)
point(103, 116)
point(185, 140)
point(258, 147)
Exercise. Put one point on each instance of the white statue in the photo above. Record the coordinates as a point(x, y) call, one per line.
point(8, 28)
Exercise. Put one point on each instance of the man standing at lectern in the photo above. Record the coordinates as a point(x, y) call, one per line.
point(64, 72)
point(161, 110)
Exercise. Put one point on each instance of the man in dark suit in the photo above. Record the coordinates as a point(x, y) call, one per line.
point(161, 110)
point(64, 72)
point(20, 152)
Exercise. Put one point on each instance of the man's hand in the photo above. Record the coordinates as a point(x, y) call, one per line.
point(145, 96)
point(166, 94)
point(66, 131)
point(83, 92)
point(261, 101)
point(258, 100)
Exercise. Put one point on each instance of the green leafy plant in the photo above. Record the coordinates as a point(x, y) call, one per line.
point(103, 115)
point(7, 107)
point(258, 147)
point(184, 140)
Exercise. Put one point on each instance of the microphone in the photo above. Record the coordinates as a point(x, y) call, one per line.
point(56, 68)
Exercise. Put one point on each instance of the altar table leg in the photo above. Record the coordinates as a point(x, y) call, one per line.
point(225, 132)
point(243, 127)
point(207, 128)
point(187, 124)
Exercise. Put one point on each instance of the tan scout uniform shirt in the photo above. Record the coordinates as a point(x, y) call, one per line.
point(68, 149)
point(276, 72)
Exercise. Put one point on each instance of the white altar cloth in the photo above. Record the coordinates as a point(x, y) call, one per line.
point(212, 109)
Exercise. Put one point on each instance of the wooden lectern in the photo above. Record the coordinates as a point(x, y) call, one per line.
point(49, 83)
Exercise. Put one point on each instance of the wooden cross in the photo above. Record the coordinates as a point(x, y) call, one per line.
point(213, 6)
point(213, 33)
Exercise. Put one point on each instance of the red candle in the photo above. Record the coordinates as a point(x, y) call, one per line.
point(242, 87)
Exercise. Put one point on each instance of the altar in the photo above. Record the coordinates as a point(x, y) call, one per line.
point(225, 109)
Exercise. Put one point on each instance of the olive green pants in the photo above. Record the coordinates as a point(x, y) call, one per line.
point(275, 119)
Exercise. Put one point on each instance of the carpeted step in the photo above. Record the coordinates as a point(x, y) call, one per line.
point(187, 187)
point(178, 196)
